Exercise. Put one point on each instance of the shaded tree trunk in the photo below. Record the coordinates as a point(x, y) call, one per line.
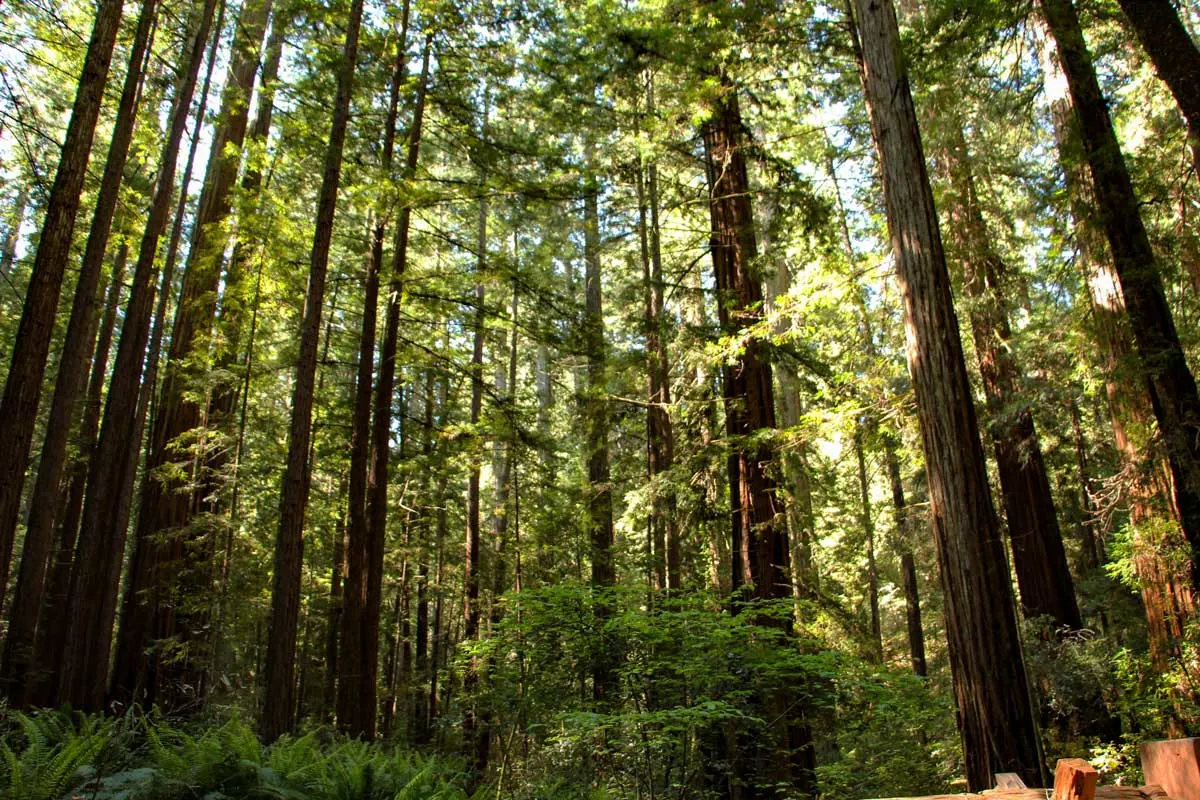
point(27, 364)
point(760, 557)
point(475, 735)
point(1043, 577)
point(72, 375)
point(42, 682)
point(381, 431)
point(660, 437)
point(351, 714)
point(595, 412)
point(1176, 59)
point(1166, 595)
point(908, 563)
point(996, 721)
point(280, 667)
point(1173, 394)
point(96, 574)
point(868, 525)
point(173, 584)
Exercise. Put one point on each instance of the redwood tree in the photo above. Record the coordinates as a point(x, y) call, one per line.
point(1173, 392)
point(996, 722)
point(280, 668)
point(27, 365)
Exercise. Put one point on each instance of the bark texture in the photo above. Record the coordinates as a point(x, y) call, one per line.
point(1173, 394)
point(70, 382)
point(97, 570)
point(280, 669)
point(996, 722)
point(1163, 36)
point(27, 366)
point(1044, 579)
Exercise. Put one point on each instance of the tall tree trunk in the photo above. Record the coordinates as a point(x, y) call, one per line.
point(209, 492)
point(381, 430)
point(72, 375)
point(119, 687)
point(660, 437)
point(475, 735)
point(996, 721)
point(1173, 392)
point(420, 708)
point(96, 574)
point(868, 525)
point(175, 558)
point(351, 714)
point(1176, 59)
point(1166, 594)
point(760, 555)
point(280, 665)
point(42, 682)
point(27, 365)
point(595, 412)
point(1043, 577)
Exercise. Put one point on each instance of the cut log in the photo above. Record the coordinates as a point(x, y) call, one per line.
point(1075, 779)
point(1174, 764)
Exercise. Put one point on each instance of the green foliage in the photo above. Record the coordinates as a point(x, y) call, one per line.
point(42, 756)
point(47, 755)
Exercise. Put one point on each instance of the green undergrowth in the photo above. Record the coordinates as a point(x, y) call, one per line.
point(57, 754)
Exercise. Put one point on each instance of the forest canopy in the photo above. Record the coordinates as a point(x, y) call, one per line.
point(488, 398)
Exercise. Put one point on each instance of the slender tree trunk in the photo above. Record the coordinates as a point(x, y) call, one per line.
point(72, 375)
point(908, 564)
point(251, 238)
point(42, 682)
point(335, 613)
point(351, 713)
point(12, 233)
point(289, 544)
point(96, 575)
point(381, 431)
point(996, 721)
point(595, 412)
point(659, 432)
point(475, 734)
point(1176, 59)
point(27, 365)
point(1044, 579)
point(868, 525)
point(131, 662)
point(1173, 392)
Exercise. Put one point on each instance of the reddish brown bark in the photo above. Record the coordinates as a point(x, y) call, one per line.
point(280, 668)
point(996, 723)
point(381, 428)
point(760, 557)
point(72, 375)
point(1173, 393)
point(351, 714)
point(96, 574)
point(27, 364)
point(168, 594)
point(1044, 579)
point(1166, 593)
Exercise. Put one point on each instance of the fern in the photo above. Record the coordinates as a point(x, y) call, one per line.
point(53, 756)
